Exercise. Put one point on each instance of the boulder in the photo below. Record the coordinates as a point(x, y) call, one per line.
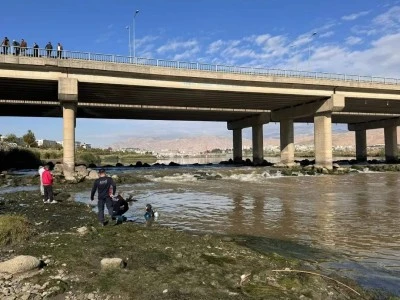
point(81, 171)
point(19, 264)
point(82, 230)
point(111, 263)
point(92, 175)
point(63, 196)
point(58, 169)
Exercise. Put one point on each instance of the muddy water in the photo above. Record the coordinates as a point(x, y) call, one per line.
point(356, 216)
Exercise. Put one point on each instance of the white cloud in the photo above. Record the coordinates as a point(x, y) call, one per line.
point(353, 40)
point(355, 16)
point(215, 47)
point(173, 46)
point(327, 34)
point(389, 20)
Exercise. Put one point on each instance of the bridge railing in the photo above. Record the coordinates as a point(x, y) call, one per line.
point(120, 59)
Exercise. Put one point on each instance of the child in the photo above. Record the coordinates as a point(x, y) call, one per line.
point(149, 214)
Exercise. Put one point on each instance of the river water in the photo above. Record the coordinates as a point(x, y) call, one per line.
point(354, 217)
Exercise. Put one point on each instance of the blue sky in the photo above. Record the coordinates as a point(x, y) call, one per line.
point(353, 37)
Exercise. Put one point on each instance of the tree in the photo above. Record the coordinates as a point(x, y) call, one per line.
point(11, 138)
point(30, 139)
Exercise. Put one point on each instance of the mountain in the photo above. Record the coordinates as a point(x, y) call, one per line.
point(196, 144)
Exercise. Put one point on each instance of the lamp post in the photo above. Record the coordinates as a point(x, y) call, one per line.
point(309, 49)
point(129, 37)
point(134, 33)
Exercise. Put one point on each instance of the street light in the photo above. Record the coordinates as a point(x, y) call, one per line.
point(134, 33)
point(129, 36)
point(309, 48)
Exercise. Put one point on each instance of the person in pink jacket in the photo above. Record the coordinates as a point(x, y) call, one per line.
point(47, 179)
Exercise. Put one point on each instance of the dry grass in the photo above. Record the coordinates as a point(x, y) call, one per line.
point(14, 229)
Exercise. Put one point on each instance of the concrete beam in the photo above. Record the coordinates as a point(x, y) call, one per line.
point(260, 119)
point(335, 103)
point(67, 89)
point(374, 124)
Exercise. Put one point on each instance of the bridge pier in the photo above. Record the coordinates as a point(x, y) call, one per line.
point(68, 97)
point(323, 139)
point(361, 145)
point(391, 150)
point(237, 145)
point(258, 149)
point(287, 141)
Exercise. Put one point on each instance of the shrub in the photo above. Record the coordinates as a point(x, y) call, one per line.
point(14, 229)
point(89, 158)
point(19, 159)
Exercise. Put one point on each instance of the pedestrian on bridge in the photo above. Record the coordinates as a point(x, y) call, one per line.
point(6, 45)
point(35, 50)
point(49, 49)
point(23, 46)
point(16, 47)
point(59, 50)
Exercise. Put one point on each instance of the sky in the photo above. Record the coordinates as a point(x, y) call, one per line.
point(352, 37)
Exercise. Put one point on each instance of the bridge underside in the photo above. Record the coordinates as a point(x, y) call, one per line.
point(39, 98)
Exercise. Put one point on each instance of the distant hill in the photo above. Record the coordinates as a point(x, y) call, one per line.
point(196, 144)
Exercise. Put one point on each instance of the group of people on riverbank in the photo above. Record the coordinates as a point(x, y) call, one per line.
point(21, 48)
point(106, 189)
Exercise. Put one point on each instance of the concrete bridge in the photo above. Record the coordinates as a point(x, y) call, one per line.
point(87, 85)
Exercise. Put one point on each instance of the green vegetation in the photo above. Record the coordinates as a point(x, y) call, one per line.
point(19, 159)
point(14, 229)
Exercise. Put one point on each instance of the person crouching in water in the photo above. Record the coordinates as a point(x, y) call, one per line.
point(103, 185)
point(120, 206)
point(149, 214)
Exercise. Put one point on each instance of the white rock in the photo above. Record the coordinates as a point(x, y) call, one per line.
point(111, 263)
point(19, 264)
point(83, 230)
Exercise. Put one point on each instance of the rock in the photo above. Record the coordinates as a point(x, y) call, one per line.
point(81, 171)
point(92, 175)
point(111, 263)
point(58, 169)
point(19, 264)
point(62, 197)
point(83, 230)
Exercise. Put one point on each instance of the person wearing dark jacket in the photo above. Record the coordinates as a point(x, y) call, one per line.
point(6, 45)
point(35, 50)
point(106, 188)
point(120, 206)
point(49, 49)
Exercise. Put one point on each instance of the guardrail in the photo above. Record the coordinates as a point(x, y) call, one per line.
point(88, 56)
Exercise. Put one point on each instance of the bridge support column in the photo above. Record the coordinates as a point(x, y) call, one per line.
point(323, 139)
point(361, 145)
point(68, 96)
point(391, 151)
point(287, 142)
point(258, 150)
point(237, 145)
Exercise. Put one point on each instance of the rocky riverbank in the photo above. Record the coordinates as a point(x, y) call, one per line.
point(152, 262)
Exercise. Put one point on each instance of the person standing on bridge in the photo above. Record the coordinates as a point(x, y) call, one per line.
point(6, 45)
point(16, 47)
point(49, 49)
point(23, 46)
point(35, 50)
point(59, 50)
point(106, 189)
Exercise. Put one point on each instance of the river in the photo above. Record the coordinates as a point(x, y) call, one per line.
point(355, 217)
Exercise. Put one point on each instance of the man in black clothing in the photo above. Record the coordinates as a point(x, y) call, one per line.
point(35, 50)
point(120, 206)
point(106, 188)
point(49, 49)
